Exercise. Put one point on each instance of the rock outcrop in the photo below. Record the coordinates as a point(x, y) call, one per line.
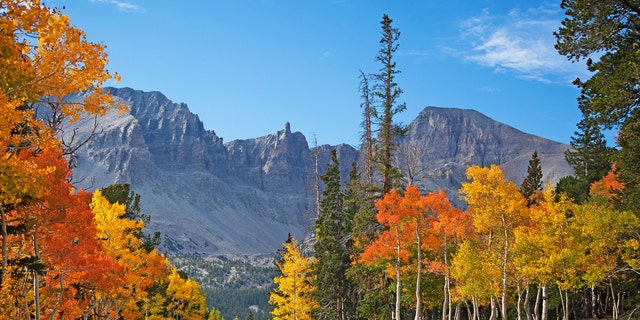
point(245, 196)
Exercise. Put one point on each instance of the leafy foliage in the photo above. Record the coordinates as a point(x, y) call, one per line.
point(292, 296)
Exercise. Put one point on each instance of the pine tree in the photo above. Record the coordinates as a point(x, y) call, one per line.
point(627, 161)
point(589, 158)
point(533, 181)
point(388, 92)
point(332, 247)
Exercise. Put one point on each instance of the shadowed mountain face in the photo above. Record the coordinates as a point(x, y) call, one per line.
point(245, 196)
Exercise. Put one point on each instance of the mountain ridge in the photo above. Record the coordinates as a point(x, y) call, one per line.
point(245, 196)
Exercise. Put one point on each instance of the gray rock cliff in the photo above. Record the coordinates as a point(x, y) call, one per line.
point(245, 196)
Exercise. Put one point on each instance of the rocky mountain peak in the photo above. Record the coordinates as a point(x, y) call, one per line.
point(245, 196)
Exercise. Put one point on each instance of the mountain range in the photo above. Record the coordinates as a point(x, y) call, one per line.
point(244, 196)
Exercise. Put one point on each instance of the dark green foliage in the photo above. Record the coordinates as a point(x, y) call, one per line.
point(237, 302)
point(370, 295)
point(589, 154)
point(533, 181)
point(627, 161)
point(610, 97)
point(122, 193)
point(387, 92)
point(232, 284)
point(332, 247)
point(589, 158)
point(574, 188)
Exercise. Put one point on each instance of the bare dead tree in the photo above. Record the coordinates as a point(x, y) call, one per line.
point(71, 142)
point(368, 114)
point(409, 159)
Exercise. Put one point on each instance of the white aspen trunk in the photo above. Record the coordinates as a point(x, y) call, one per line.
point(494, 306)
point(536, 307)
point(519, 304)
point(4, 244)
point(594, 312)
point(419, 275)
point(457, 313)
point(398, 280)
point(446, 303)
point(564, 312)
point(545, 302)
point(504, 270)
point(527, 305)
point(36, 280)
point(614, 304)
point(476, 308)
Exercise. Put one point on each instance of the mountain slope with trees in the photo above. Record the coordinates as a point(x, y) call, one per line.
point(245, 196)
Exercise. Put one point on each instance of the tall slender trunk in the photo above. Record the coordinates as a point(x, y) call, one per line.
point(458, 309)
point(615, 304)
point(564, 301)
point(536, 307)
point(494, 313)
point(316, 184)
point(504, 270)
point(3, 220)
point(527, 305)
point(594, 310)
point(446, 303)
point(398, 279)
point(419, 276)
point(36, 279)
point(476, 308)
point(545, 303)
point(519, 304)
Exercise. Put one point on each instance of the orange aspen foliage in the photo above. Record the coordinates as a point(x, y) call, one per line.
point(604, 190)
point(407, 219)
point(60, 236)
point(44, 58)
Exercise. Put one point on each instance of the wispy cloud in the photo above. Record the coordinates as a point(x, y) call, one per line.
point(519, 41)
point(123, 6)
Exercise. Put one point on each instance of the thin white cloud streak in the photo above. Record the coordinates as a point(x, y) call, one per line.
point(519, 41)
point(123, 6)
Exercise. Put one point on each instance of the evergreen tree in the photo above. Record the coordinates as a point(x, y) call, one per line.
point(332, 247)
point(589, 158)
point(608, 30)
point(388, 92)
point(533, 181)
point(627, 161)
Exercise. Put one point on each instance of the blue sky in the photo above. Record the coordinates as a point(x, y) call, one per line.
point(247, 67)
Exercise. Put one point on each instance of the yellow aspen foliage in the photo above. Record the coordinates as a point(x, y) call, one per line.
point(186, 299)
point(292, 297)
point(55, 59)
point(497, 209)
point(543, 246)
point(604, 233)
point(141, 268)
